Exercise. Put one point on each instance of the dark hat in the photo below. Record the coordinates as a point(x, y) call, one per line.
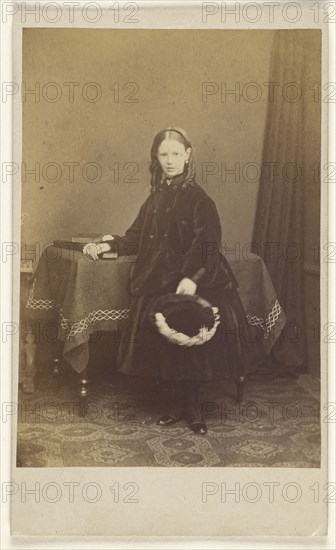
point(184, 319)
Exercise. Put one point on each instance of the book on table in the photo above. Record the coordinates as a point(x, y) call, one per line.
point(85, 238)
point(109, 255)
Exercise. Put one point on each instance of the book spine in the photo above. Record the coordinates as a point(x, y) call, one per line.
point(109, 255)
point(86, 240)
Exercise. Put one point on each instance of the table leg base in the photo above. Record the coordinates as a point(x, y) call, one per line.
point(82, 406)
point(83, 392)
point(83, 384)
point(57, 366)
point(240, 382)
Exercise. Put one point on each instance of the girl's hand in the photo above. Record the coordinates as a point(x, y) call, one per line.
point(186, 286)
point(93, 249)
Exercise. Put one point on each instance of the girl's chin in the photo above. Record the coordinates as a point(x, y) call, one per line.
point(172, 173)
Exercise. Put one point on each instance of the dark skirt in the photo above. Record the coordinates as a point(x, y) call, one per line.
point(235, 349)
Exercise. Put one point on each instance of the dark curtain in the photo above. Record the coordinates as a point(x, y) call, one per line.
point(279, 224)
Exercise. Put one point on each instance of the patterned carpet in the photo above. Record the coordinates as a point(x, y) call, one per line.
point(277, 425)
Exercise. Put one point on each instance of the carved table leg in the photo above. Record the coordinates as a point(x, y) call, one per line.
point(83, 391)
point(58, 363)
point(240, 382)
point(57, 366)
point(57, 369)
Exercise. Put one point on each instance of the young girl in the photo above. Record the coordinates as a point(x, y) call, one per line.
point(177, 238)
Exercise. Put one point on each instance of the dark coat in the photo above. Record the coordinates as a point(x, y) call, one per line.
point(176, 234)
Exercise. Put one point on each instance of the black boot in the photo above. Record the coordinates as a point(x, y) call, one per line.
point(192, 410)
point(172, 403)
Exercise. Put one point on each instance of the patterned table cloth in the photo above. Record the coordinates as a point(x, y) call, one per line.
point(85, 296)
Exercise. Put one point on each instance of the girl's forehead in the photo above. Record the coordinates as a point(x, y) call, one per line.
point(169, 143)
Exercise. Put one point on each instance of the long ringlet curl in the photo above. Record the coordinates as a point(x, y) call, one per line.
point(155, 169)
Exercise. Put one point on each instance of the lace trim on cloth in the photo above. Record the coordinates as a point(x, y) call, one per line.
point(79, 326)
point(38, 304)
point(117, 314)
point(269, 322)
point(92, 317)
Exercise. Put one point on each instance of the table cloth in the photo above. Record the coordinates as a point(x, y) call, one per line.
point(83, 296)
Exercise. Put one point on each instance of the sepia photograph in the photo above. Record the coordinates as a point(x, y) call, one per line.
point(170, 271)
point(170, 221)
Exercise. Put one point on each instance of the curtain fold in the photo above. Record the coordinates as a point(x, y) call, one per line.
point(279, 223)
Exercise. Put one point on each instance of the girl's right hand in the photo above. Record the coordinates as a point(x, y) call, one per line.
point(94, 249)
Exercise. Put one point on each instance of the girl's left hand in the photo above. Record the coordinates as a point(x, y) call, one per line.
point(186, 286)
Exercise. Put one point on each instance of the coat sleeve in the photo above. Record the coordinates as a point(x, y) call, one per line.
point(128, 244)
point(203, 259)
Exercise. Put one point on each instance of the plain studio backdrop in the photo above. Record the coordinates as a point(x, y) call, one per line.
point(168, 69)
point(147, 80)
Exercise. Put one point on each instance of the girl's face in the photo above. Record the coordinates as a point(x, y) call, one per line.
point(172, 156)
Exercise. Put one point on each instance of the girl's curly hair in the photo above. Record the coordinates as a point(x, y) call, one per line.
point(178, 134)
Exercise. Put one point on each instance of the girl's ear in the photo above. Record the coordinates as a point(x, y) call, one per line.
point(188, 151)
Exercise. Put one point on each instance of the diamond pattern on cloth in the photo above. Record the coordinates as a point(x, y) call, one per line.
point(99, 315)
point(79, 326)
point(32, 303)
point(118, 314)
point(267, 323)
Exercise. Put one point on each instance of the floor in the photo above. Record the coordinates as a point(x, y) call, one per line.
point(277, 424)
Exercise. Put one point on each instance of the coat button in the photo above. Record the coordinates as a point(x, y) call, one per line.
point(155, 211)
point(151, 236)
point(168, 209)
point(165, 235)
